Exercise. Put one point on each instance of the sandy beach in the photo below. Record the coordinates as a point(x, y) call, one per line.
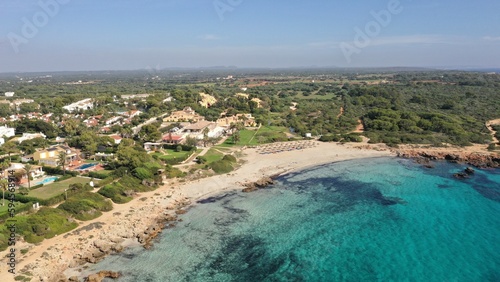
point(59, 257)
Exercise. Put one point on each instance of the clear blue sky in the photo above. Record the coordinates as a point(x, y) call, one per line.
point(137, 34)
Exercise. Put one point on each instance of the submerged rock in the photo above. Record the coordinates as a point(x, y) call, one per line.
point(461, 175)
point(249, 189)
point(99, 276)
point(469, 170)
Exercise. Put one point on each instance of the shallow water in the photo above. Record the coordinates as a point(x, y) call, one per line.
point(381, 219)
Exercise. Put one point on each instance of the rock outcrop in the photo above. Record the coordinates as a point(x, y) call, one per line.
point(99, 276)
point(261, 183)
point(474, 159)
point(149, 234)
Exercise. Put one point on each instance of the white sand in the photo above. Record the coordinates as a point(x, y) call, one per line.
point(128, 220)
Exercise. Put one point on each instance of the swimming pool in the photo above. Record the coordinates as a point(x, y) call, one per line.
point(86, 166)
point(47, 180)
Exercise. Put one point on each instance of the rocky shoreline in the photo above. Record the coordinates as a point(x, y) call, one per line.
point(99, 240)
point(146, 238)
point(478, 160)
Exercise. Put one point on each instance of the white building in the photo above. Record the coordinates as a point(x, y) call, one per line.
point(116, 138)
point(36, 171)
point(132, 113)
point(113, 120)
point(29, 136)
point(7, 131)
point(9, 94)
point(84, 105)
point(133, 96)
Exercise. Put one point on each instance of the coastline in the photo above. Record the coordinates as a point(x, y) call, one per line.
point(55, 259)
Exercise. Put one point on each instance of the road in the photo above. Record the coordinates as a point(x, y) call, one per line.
point(149, 121)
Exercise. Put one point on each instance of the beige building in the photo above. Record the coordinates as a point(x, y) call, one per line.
point(187, 114)
point(246, 119)
point(50, 156)
point(207, 100)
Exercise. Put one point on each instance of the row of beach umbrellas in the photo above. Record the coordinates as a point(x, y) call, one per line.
point(285, 147)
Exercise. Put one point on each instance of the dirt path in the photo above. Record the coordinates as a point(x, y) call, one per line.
point(360, 127)
point(341, 112)
point(490, 128)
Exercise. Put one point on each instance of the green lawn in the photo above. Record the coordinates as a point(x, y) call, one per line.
point(213, 155)
point(107, 172)
point(252, 137)
point(4, 209)
point(56, 188)
point(171, 154)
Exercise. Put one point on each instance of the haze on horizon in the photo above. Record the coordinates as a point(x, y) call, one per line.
point(72, 35)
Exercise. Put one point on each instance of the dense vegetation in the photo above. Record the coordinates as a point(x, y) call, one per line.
point(122, 191)
point(87, 206)
point(46, 223)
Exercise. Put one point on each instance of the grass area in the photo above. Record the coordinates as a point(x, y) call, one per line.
point(266, 134)
point(4, 208)
point(213, 155)
point(56, 188)
point(171, 154)
point(107, 172)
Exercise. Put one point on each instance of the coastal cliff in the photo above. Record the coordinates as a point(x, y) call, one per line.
point(479, 160)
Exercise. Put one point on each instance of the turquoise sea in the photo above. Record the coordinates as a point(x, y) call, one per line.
point(382, 219)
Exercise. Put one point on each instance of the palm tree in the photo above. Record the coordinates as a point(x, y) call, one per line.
point(61, 160)
point(28, 168)
point(205, 136)
point(10, 147)
point(4, 184)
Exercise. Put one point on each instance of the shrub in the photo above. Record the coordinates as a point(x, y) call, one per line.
point(173, 172)
point(119, 172)
point(26, 199)
point(46, 223)
point(19, 208)
point(352, 138)
point(55, 170)
point(114, 193)
point(201, 160)
point(65, 177)
point(221, 166)
point(105, 181)
point(143, 173)
point(229, 158)
point(119, 192)
point(36, 186)
point(87, 206)
point(95, 174)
